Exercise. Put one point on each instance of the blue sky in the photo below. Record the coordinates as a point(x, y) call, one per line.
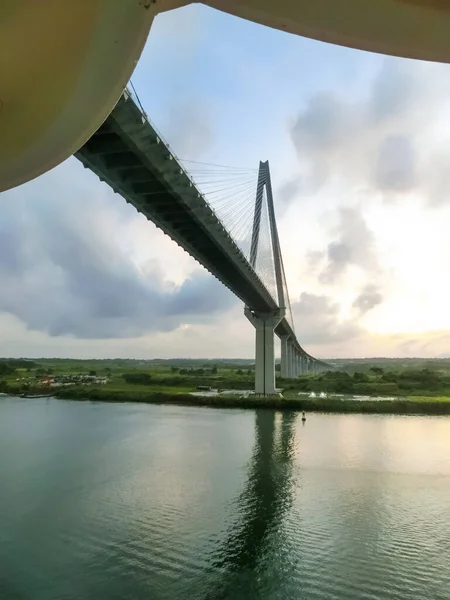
point(357, 145)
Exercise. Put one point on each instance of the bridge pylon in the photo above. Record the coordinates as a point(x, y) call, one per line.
point(264, 324)
point(294, 361)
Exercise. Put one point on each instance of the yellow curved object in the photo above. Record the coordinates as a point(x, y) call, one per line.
point(63, 66)
point(64, 63)
point(409, 28)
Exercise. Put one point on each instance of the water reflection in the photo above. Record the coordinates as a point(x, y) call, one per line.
point(260, 507)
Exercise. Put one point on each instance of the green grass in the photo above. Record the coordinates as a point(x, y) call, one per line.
point(118, 385)
point(400, 406)
point(428, 398)
point(415, 391)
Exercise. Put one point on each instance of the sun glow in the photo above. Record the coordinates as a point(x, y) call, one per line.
point(411, 248)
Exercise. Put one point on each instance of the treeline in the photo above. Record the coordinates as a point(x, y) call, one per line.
point(390, 364)
point(9, 365)
point(212, 371)
point(143, 378)
point(379, 382)
point(138, 378)
point(200, 371)
point(192, 378)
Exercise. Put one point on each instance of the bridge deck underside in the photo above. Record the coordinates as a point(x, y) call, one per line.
point(112, 154)
point(128, 154)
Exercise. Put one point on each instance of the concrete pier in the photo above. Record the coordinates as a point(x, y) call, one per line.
point(264, 324)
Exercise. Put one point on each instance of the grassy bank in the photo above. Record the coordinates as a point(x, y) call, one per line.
point(416, 388)
point(417, 405)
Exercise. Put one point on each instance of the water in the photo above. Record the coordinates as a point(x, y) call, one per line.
point(107, 501)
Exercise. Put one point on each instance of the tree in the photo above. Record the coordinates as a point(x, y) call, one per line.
point(390, 377)
point(174, 369)
point(6, 368)
point(214, 370)
point(92, 373)
point(377, 370)
point(138, 378)
point(361, 377)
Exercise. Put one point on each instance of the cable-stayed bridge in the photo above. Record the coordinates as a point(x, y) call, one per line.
point(223, 217)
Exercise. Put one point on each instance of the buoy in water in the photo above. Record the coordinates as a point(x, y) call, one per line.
point(303, 417)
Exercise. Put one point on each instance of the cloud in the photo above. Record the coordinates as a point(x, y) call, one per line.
point(324, 333)
point(66, 270)
point(354, 244)
point(395, 89)
point(389, 141)
point(396, 164)
point(322, 125)
point(228, 336)
point(318, 323)
point(190, 128)
point(288, 191)
point(367, 299)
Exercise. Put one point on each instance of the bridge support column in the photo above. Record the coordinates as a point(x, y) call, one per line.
point(291, 355)
point(299, 364)
point(304, 365)
point(295, 365)
point(264, 324)
point(284, 356)
point(307, 366)
point(288, 358)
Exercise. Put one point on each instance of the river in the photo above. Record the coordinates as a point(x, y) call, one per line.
point(140, 502)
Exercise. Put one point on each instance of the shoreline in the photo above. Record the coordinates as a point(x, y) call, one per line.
point(406, 406)
point(400, 406)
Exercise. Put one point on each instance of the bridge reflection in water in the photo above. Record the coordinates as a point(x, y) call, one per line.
point(241, 562)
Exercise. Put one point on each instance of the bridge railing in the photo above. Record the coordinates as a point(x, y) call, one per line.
point(133, 95)
point(130, 92)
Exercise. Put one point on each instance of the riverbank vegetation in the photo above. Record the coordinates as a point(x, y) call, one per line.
point(414, 387)
point(380, 382)
point(416, 405)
